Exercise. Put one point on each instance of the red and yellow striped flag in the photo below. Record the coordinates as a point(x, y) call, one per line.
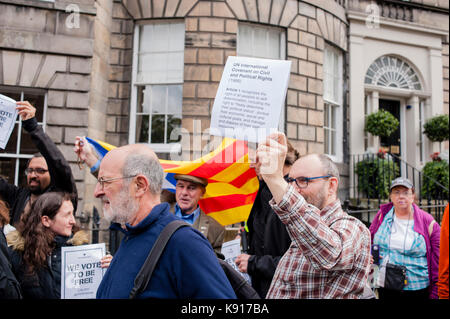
point(232, 184)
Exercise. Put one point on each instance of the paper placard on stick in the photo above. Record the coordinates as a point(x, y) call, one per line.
point(8, 114)
point(81, 272)
point(249, 99)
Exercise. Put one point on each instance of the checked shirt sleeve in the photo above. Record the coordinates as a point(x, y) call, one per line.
point(328, 243)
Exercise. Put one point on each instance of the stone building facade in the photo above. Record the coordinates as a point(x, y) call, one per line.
point(88, 63)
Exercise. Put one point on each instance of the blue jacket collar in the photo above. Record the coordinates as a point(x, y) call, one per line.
point(154, 214)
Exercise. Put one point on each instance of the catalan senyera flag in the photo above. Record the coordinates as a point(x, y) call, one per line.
point(100, 147)
point(232, 184)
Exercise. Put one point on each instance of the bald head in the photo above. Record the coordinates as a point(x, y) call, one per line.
point(136, 159)
point(119, 155)
point(323, 164)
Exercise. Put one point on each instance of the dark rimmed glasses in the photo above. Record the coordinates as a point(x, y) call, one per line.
point(102, 181)
point(38, 171)
point(302, 182)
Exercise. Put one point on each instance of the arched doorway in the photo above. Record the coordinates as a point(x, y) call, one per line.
point(393, 84)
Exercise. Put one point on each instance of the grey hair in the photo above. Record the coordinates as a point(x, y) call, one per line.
point(329, 166)
point(143, 164)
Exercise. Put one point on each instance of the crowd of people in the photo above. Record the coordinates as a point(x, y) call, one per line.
point(302, 244)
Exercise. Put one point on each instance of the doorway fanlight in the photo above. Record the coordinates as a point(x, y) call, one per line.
point(390, 71)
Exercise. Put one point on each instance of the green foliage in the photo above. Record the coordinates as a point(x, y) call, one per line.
point(381, 123)
point(437, 170)
point(375, 175)
point(436, 128)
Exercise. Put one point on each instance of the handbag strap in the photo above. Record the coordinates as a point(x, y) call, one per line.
point(143, 277)
point(390, 233)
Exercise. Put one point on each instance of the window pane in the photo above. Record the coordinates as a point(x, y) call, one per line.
point(38, 102)
point(332, 123)
point(158, 127)
point(161, 53)
point(173, 123)
point(257, 41)
point(145, 38)
point(142, 128)
point(326, 133)
point(7, 168)
point(327, 118)
point(176, 37)
point(175, 99)
point(175, 67)
point(333, 143)
point(273, 45)
point(158, 98)
point(143, 100)
point(11, 146)
point(26, 144)
point(160, 36)
point(244, 40)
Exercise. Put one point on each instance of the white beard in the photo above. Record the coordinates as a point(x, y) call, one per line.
point(122, 210)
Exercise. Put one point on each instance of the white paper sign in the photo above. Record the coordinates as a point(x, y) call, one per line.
point(231, 249)
point(249, 99)
point(81, 273)
point(8, 114)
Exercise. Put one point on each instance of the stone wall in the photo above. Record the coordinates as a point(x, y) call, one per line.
point(49, 45)
point(211, 30)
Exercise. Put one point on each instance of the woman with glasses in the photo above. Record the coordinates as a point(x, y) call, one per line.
point(407, 239)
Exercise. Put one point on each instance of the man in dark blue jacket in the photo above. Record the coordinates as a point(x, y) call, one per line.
point(129, 185)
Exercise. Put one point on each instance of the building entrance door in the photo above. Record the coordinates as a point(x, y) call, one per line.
point(391, 143)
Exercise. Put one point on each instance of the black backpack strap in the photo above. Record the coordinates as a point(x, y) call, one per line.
point(143, 277)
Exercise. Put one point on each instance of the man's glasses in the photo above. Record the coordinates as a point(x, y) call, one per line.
point(302, 182)
point(102, 181)
point(38, 171)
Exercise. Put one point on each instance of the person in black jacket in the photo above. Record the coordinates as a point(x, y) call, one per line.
point(267, 236)
point(46, 171)
point(9, 286)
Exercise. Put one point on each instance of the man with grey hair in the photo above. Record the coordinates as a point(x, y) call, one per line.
point(129, 185)
point(330, 252)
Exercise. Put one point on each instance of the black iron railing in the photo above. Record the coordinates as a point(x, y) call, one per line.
point(371, 178)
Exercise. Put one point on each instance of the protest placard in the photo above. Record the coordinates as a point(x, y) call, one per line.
point(81, 271)
point(249, 99)
point(8, 114)
point(231, 249)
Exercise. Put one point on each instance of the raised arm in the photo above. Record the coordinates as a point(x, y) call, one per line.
point(59, 169)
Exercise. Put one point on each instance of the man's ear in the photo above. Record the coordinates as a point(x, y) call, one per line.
point(45, 220)
point(333, 185)
point(142, 185)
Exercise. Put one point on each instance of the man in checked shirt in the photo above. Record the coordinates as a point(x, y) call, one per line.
point(330, 252)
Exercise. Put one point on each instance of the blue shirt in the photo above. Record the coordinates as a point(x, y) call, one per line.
point(187, 269)
point(188, 218)
point(413, 257)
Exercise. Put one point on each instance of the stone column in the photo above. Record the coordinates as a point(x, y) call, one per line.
point(99, 88)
